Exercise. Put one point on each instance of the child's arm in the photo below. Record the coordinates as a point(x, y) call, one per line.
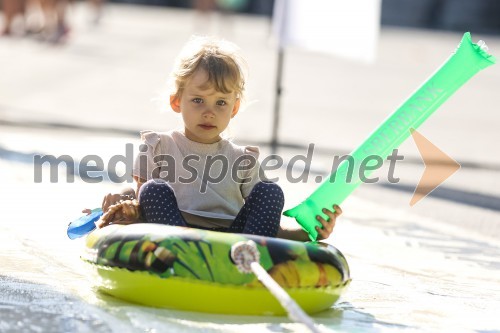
point(323, 233)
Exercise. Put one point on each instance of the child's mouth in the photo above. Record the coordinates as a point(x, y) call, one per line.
point(207, 127)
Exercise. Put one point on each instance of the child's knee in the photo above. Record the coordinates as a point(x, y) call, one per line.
point(155, 187)
point(268, 189)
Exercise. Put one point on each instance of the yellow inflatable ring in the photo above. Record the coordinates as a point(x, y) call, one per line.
point(191, 269)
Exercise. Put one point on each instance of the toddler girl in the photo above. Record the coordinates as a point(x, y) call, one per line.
point(194, 177)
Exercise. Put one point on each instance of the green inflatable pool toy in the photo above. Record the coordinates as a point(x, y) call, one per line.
point(465, 62)
point(191, 269)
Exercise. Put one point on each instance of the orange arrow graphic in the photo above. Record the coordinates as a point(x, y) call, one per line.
point(438, 167)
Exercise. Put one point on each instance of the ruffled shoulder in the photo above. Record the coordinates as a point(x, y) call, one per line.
point(151, 138)
point(252, 150)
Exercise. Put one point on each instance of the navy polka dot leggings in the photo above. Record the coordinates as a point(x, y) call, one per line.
point(260, 215)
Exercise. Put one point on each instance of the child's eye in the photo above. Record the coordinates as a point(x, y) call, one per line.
point(221, 102)
point(197, 100)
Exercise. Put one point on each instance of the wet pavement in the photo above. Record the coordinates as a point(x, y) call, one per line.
point(409, 273)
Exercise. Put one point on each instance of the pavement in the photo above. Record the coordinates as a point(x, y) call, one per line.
point(430, 267)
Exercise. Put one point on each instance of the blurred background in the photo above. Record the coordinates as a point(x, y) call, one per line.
point(458, 15)
point(100, 66)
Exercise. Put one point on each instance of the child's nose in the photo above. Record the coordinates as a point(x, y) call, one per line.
point(208, 113)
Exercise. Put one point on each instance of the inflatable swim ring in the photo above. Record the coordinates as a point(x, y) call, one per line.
point(191, 269)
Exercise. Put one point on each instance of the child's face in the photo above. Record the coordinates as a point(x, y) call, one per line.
point(205, 111)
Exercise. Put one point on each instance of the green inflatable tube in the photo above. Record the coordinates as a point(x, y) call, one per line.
point(465, 62)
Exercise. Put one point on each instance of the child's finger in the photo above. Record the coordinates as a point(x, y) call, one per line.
point(328, 213)
point(332, 216)
point(323, 234)
point(123, 222)
point(101, 224)
point(105, 203)
point(325, 230)
point(110, 200)
point(338, 210)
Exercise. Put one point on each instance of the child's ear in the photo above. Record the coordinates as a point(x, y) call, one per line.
point(175, 103)
point(236, 108)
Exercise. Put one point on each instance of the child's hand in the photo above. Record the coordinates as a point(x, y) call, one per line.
point(328, 225)
point(113, 199)
point(124, 212)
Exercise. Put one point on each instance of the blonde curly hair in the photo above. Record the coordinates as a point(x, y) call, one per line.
point(219, 58)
